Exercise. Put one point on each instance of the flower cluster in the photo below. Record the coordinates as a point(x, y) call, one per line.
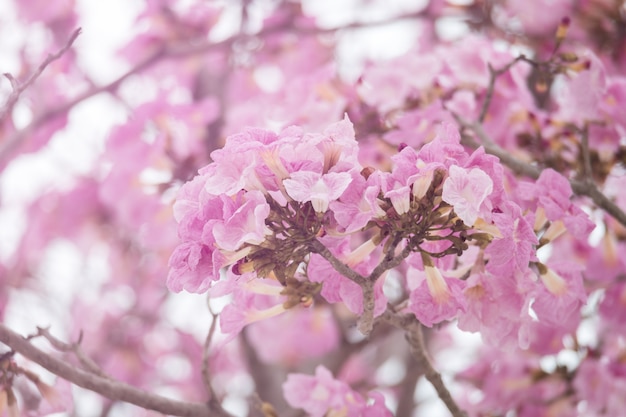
point(277, 220)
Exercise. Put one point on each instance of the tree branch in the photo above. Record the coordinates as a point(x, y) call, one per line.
point(366, 322)
point(493, 75)
point(84, 360)
point(18, 88)
point(415, 337)
point(318, 247)
point(585, 188)
point(114, 390)
point(386, 265)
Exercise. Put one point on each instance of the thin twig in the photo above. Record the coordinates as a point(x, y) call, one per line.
point(587, 174)
point(18, 88)
point(114, 390)
point(318, 247)
point(366, 321)
point(206, 372)
point(386, 265)
point(583, 188)
point(87, 363)
point(493, 75)
point(415, 337)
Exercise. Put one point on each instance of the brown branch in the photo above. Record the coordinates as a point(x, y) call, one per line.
point(362, 24)
point(517, 166)
point(114, 390)
point(13, 142)
point(415, 337)
point(18, 88)
point(267, 379)
point(493, 75)
point(84, 360)
point(587, 174)
point(583, 188)
point(318, 247)
point(386, 265)
point(206, 373)
point(406, 396)
point(366, 321)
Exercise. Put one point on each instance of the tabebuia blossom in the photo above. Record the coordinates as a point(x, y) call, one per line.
point(437, 298)
point(466, 190)
point(319, 189)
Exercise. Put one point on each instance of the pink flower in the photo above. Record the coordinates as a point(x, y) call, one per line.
point(553, 192)
point(581, 94)
point(514, 250)
point(243, 311)
point(191, 268)
point(525, 13)
point(358, 204)
point(613, 306)
point(596, 384)
point(245, 225)
point(322, 395)
point(446, 148)
point(560, 295)
point(316, 394)
point(466, 190)
point(437, 298)
point(319, 189)
point(496, 309)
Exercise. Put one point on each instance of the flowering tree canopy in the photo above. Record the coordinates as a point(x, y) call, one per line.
point(290, 208)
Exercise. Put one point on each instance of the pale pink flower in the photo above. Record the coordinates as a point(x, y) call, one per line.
point(245, 225)
point(191, 268)
point(322, 395)
point(319, 189)
point(437, 298)
point(466, 190)
point(358, 204)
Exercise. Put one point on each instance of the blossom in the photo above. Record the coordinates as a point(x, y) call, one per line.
point(319, 189)
point(245, 225)
point(558, 300)
point(437, 298)
point(496, 308)
point(358, 204)
point(322, 395)
point(512, 252)
point(466, 190)
point(191, 268)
